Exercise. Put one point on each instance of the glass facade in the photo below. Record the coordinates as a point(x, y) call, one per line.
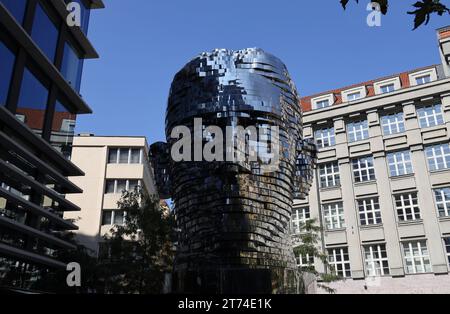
point(72, 67)
point(16, 8)
point(7, 59)
point(32, 102)
point(36, 177)
point(44, 32)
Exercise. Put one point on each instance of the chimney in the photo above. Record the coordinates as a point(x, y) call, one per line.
point(444, 48)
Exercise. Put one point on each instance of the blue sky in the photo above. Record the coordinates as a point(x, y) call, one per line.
point(143, 43)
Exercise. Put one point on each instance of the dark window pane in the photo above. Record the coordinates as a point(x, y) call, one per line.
point(123, 155)
point(63, 129)
point(121, 186)
point(44, 33)
point(6, 67)
point(16, 8)
point(107, 218)
point(72, 67)
point(109, 187)
point(112, 156)
point(118, 217)
point(135, 156)
point(32, 101)
point(132, 184)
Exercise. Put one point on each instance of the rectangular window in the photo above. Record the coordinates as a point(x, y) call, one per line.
point(417, 259)
point(44, 32)
point(442, 197)
point(107, 217)
point(339, 260)
point(407, 207)
point(376, 260)
point(72, 67)
point(135, 156)
point(125, 155)
point(329, 175)
point(113, 217)
point(299, 218)
point(118, 186)
point(305, 261)
point(32, 101)
point(333, 215)
point(389, 88)
point(369, 211)
point(16, 8)
point(423, 79)
point(447, 249)
point(322, 104)
point(438, 157)
point(393, 123)
point(325, 137)
point(430, 116)
point(363, 169)
point(113, 155)
point(399, 163)
point(121, 186)
point(354, 96)
point(357, 131)
point(7, 59)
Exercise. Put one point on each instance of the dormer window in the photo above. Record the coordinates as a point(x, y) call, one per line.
point(322, 101)
point(322, 104)
point(387, 88)
point(423, 79)
point(354, 96)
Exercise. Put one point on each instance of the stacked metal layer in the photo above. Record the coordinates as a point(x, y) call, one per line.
point(234, 215)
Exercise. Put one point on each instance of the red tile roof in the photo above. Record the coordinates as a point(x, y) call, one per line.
point(306, 104)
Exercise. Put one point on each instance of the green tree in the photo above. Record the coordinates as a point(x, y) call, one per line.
point(139, 253)
point(422, 10)
point(309, 245)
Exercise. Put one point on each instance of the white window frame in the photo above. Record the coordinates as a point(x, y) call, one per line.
point(447, 248)
point(357, 130)
point(413, 77)
point(435, 153)
point(130, 149)
point(329, 175)
point(401, 162)
point(392, 81)
point(363, 166)
point(127, 184)
point(329, 136)
point(304, 261)
point(317, 100)
point(333, 216)
point(427, 120)
point(444, 203)
point(393, 123)
point(345, 263)
point(403, 209)
point(369, 207)
point(113, 213)
point(375, 264)
point(417, 260)
point(300, 216)
point(347, 93)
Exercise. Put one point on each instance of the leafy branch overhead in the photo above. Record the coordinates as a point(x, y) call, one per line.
point(422, 9)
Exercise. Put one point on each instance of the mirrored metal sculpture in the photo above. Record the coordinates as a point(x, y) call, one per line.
point(234, 213)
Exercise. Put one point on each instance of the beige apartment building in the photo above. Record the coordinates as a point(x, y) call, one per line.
point(111, 165)
point(382, 189)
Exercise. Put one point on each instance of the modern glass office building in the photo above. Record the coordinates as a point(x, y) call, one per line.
point(41, 61)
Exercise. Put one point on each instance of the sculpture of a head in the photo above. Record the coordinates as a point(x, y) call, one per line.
point(234, 161)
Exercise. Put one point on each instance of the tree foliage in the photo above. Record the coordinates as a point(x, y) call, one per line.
point(139, 253)
point(422, 10)
point(309, 245)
